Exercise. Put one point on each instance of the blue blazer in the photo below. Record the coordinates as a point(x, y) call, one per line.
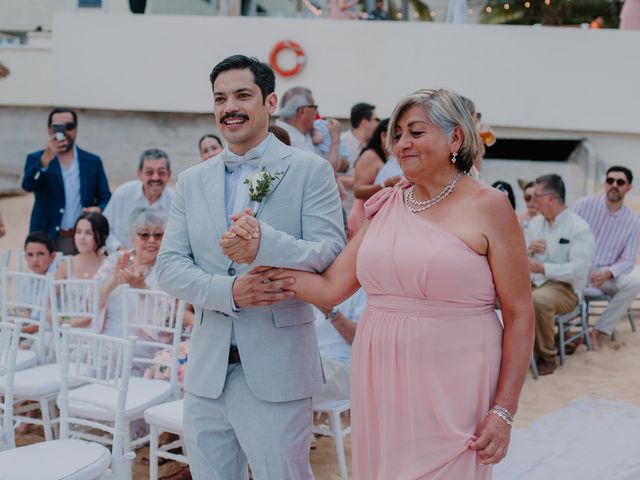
point(48, 188)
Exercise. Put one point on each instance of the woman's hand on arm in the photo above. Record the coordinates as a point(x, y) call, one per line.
point(336, 283)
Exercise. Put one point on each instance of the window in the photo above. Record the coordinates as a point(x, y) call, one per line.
point(90, 3)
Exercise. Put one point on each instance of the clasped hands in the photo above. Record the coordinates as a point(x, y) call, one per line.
point(262, 286)
point(123, 275)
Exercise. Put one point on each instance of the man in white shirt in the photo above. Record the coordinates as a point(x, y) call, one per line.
point(151, 190)
point(298, 111)
point(336, 328)
point(364, 121)
point(561, 246)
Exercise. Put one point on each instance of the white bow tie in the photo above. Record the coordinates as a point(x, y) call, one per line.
point(232, 161)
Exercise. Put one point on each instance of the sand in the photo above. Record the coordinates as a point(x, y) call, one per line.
point(610, 373)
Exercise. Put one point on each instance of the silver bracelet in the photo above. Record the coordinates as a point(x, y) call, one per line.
point(503, 413)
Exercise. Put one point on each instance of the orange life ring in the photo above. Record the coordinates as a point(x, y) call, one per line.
point(301, 58)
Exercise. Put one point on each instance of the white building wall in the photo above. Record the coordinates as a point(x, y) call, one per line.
point(528, 82)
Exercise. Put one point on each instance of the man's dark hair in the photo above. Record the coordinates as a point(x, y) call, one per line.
point(39, 237)
point(263, 75)
point(625, 170)
point(552, 183)
point(359, 112)
point(62, 110)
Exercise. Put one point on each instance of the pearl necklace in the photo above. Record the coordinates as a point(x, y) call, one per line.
point(424, 204)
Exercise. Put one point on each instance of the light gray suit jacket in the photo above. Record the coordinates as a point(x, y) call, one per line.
point(301, 228)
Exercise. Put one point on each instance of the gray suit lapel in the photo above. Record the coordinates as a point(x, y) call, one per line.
point(213, 185)
point(277, 158)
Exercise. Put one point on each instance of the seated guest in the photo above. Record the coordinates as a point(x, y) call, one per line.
point(617, 231)
point(40, 259)
point(151, 190)
point(371, 161)
point(531, 211)
point(561, 248)
point(505, 188)
point(39, 254)
point(130, 268)
point(336, 328)
point(91, 232)
point(209, 146)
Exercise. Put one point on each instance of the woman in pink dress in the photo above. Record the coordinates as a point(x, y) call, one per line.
point(436, 378)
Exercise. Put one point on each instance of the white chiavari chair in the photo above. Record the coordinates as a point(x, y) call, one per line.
point(9, 339)
point(37, 388)
point(5, 258)
point(25, 297)
point(96, 361)
point(155, 318)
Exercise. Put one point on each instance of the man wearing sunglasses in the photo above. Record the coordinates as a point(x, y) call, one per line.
point(617, 230)
point(65, 179)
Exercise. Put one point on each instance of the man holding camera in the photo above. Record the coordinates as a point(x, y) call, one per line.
point(66, 181)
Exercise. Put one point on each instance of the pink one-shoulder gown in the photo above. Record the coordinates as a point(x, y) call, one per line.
point(427, 352)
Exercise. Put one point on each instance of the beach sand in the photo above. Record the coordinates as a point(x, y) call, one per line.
point(609, 373)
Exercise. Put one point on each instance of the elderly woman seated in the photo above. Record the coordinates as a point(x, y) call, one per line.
point(135, 269)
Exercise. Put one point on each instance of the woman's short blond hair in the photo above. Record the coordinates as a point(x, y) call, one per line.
point(446, 110)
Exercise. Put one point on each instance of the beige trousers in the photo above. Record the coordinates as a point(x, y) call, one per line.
point(550, 299)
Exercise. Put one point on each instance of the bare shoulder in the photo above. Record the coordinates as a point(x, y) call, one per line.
point(491, 206)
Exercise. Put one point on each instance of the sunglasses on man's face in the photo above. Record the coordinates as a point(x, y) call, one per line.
point(68, 126)
point(528, 198)
point(618, 181)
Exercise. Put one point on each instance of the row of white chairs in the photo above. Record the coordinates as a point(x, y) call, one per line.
point(38, 383)
point(155, 315)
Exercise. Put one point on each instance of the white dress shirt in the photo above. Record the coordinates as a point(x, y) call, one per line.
point(72, 198)
point(570, 249)
point(353, 146)
point(330, 342)
point(125, 199)
point(298, 139)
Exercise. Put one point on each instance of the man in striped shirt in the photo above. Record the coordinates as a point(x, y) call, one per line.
point(617, 231)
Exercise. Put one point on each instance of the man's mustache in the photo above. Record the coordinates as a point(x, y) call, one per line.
point(227, 116)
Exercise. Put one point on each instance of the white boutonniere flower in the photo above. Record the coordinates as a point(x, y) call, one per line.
point(260, 183)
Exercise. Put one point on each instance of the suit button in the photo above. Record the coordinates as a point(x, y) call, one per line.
point(62, 210)
point(57, 229)
point(231, 271)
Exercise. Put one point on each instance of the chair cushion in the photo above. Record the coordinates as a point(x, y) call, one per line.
point(167, 416)
point(35, 382)
point(25, 359)
point(54, 460)
point(142, 394)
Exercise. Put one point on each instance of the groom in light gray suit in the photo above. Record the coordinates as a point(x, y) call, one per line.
point(254, 362)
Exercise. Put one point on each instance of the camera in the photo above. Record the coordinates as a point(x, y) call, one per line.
point(58, 130)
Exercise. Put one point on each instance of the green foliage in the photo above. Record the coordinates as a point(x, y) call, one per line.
point(557, 12)
point(260, 190)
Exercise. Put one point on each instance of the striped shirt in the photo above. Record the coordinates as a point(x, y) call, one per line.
point(616, 234)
